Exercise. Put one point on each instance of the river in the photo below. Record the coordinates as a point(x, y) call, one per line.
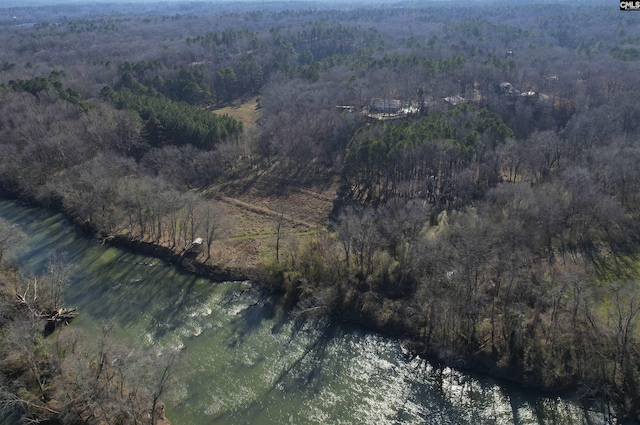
point(246, 362)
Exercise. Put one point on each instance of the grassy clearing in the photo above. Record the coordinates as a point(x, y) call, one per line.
point(273, 235)
point(252, 205)
point(619, 268)
point(246, 112)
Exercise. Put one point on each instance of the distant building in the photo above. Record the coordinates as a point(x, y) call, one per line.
point(508, 89)
point(346, 107)
point(196, 246)
point(455, 100)
point(390, 106)
point(192, 252)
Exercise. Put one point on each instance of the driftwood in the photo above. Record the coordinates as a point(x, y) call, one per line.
point(62, 316)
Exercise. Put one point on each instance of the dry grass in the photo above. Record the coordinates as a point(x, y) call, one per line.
point(252, 209)
point(246, 112)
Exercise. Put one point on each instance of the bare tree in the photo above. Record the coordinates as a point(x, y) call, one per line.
point(210, 218)
point(162, 385)
point(10, 236)
point(366, 233)
point(279, 231)
point(190, 220)
point(58, 274)
point(155, 370)
point(26, 356)
point(624, 317)
point(346, 232)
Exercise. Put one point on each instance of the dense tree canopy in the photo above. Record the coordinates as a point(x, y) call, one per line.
point(427, 158)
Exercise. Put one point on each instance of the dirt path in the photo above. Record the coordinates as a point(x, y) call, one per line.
point(251, 213)
point(265, 211)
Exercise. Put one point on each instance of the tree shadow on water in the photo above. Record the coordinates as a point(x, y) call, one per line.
point(252, 318)
point(178, 310)
point(554, 409)
point(298, 375)
point(130, 286)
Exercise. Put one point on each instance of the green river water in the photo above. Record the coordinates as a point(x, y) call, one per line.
point(245, 361)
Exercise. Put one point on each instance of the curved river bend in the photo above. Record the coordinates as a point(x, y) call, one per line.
point(247, 363)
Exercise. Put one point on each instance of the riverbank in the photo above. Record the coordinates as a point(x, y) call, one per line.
point(315, 284)
point(151, 301)
point(194, 266)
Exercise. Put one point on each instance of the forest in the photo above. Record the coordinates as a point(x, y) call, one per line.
point(466, 179)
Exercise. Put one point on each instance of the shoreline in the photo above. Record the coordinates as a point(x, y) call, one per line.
point(344, 315)
point(196, 267)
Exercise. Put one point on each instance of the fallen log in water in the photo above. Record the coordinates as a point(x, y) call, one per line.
point(58, 317)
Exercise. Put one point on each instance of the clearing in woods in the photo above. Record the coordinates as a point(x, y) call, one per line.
point(253, 204)
point(246, 112)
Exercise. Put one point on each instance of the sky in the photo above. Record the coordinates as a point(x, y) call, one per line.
point(32, 3)
point(29, 3)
